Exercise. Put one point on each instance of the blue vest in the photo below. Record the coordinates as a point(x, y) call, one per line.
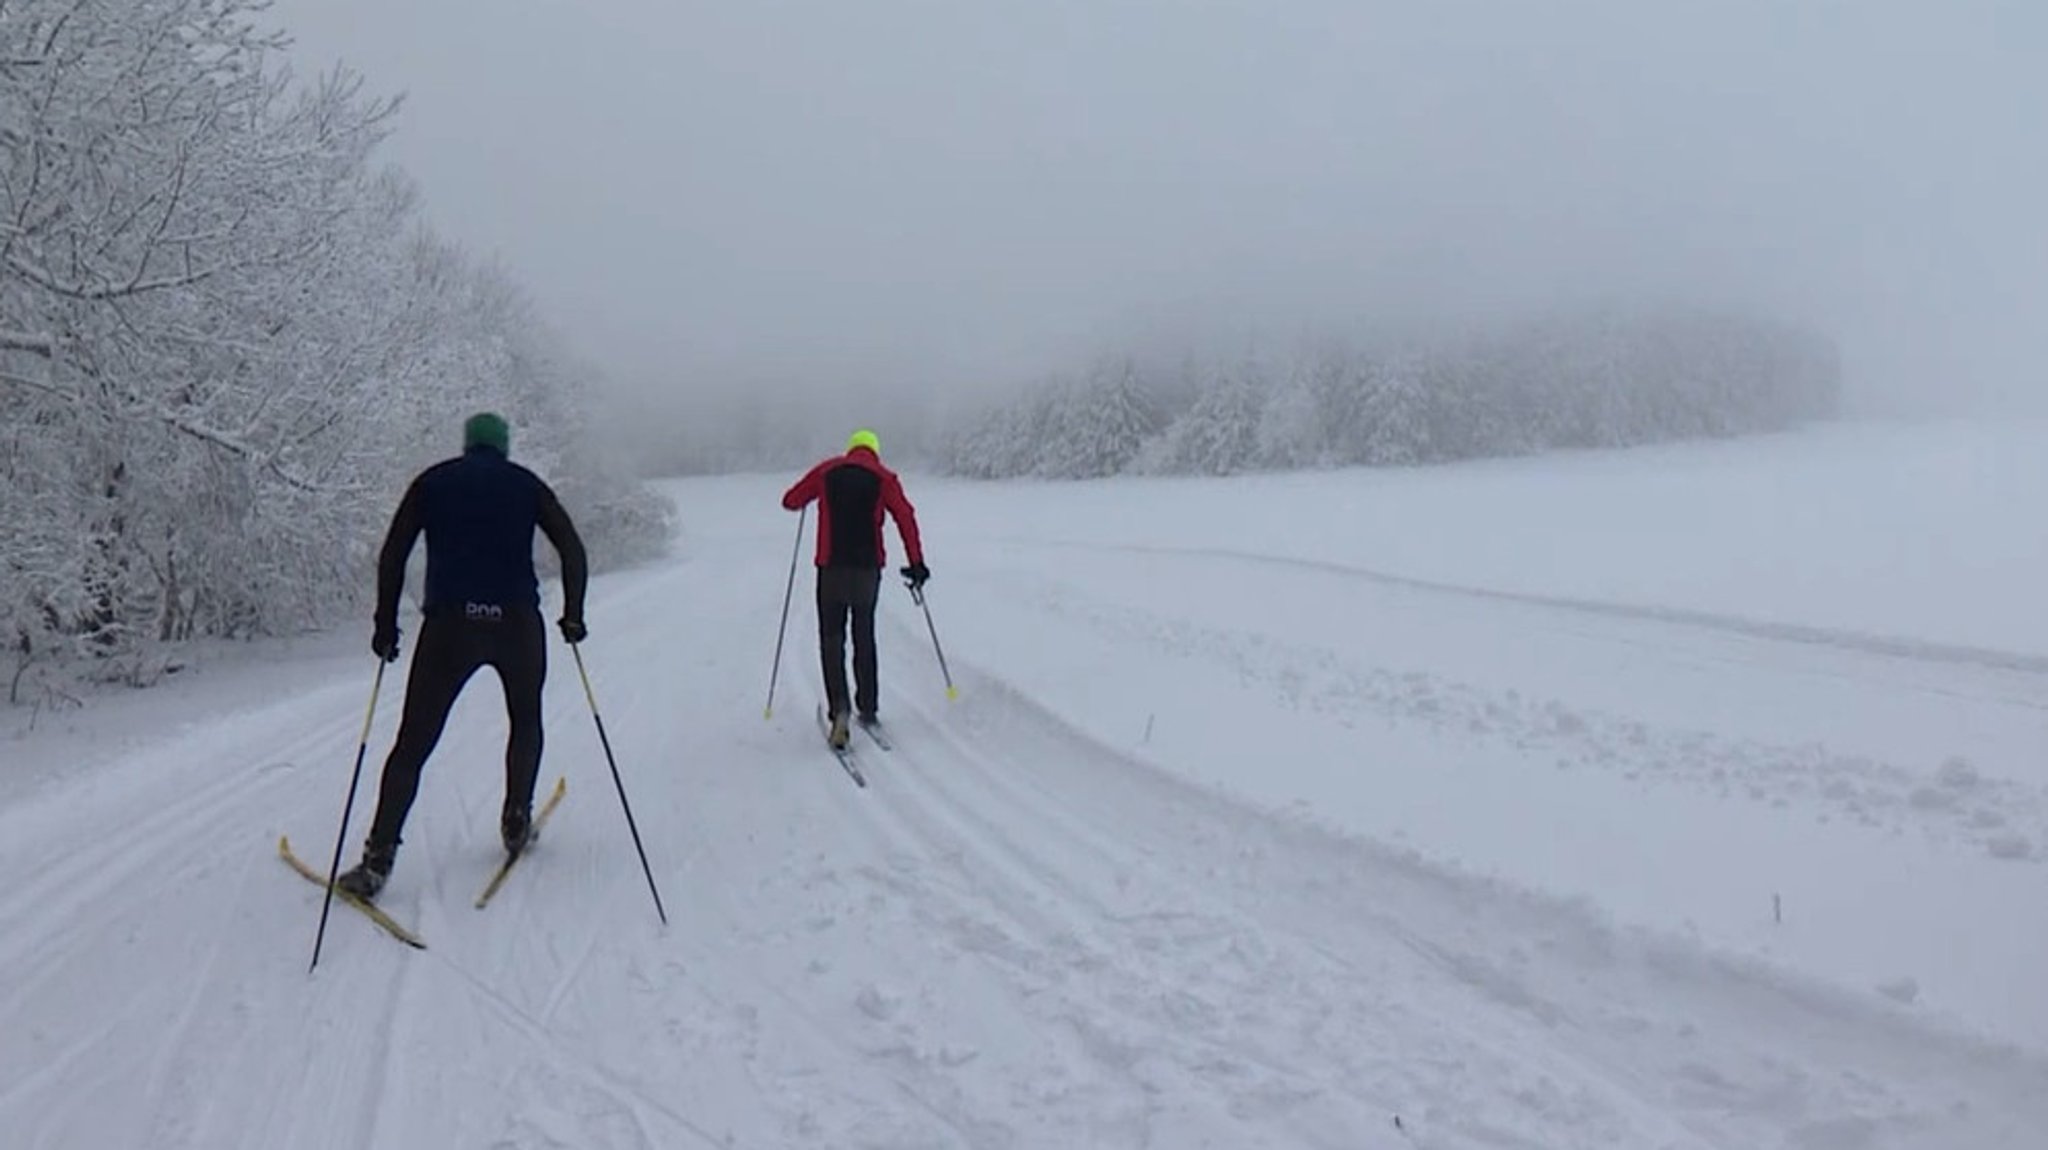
point(479, 513)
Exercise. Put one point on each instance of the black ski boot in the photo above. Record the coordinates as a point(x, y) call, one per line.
point(368, 876)
point(515, 827)
point(869, 720)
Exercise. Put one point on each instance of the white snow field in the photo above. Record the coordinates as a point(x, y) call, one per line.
point(1681, 798)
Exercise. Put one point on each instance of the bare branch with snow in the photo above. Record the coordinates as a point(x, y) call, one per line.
point(225, 336)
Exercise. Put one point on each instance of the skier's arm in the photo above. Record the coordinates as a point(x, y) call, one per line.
point(555, 524)
point(806, 490)
point(899, 508)
point(406, 525)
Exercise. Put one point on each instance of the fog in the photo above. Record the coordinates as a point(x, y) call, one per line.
point(926, 198)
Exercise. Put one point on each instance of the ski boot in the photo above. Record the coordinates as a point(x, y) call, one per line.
point(839, 734)
point(368, 876)
point(869, 720)
point(515, 828)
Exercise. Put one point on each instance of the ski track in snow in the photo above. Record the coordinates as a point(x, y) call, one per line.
point(1952, 803)
point(1892, 646)
point(1020, 935)
point(1255, 905)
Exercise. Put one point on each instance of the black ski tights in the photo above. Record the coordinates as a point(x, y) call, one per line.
point(848, 595)
point(450, 650)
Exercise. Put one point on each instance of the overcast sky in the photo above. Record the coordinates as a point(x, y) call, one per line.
point(940, 192)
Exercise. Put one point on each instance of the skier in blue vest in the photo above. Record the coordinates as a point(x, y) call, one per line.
point(478, 512)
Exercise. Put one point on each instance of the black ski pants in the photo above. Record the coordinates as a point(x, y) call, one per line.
point(451, 648)
point(849, 594)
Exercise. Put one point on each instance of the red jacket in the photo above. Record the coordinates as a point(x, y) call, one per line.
point(853, 491)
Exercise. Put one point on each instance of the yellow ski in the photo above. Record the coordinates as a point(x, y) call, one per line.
point(390, 925)
point(505, 868)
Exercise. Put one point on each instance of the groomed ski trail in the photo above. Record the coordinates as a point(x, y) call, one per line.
point(1236, 965)
point(1015, 936)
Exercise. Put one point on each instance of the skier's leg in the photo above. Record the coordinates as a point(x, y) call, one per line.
point(522, 665)
point(865, 590)
point(832, 611)
point(442, 661)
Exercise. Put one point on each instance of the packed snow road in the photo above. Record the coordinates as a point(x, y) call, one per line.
point(1197, 859)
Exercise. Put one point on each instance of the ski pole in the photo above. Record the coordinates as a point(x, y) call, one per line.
point(782, 629)
point(347, 808)
point(577, 650)
point(917, 595)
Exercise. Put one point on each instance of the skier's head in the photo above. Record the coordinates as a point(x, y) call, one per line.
point(864, 438)
point(487, 429)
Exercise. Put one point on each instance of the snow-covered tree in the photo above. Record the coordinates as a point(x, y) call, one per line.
point(225, 337)
point(1294, 430)
point(1219, 435)
point(1394, 424)
point(1599, 379)
point(1096, 426)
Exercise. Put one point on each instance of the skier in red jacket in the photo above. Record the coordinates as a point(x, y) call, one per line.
point(852, 492)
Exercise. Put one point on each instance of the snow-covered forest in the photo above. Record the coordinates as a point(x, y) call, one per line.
point(227, 340)
point(1594, 380)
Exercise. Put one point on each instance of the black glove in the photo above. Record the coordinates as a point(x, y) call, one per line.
point(384, 640)
point(918, 574)
point(573, 629)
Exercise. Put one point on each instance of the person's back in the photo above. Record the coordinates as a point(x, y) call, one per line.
point(856, 496)
point(854, 492)
point(479, 513)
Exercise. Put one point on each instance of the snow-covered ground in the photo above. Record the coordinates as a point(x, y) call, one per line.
point(1692, 797)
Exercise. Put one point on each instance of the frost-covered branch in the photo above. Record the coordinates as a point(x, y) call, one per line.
point(100, 293)
point(41, 345)
point(44, 387)
point(242, 336)
point(243, 450)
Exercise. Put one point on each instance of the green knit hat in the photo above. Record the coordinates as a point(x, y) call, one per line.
point(487, 429)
